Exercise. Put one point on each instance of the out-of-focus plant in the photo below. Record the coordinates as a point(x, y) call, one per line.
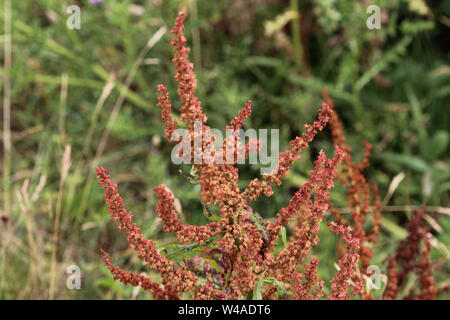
point(238, 254)
point(237, 247)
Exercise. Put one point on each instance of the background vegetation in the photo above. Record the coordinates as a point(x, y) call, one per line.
point(85, 97)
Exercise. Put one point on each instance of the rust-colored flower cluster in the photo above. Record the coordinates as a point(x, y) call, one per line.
point(234, 255)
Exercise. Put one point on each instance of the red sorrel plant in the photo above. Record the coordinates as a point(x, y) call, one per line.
point(232, 257)
point(360, 205)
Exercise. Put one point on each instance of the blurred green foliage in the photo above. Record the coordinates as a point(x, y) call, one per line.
point(391, 87)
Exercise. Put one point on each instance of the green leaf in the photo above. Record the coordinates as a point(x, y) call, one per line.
point(258, 223)
point(398, 232)
point(178, 252)
point(104, 282)
point(276, 283)
point(210, 214)
point(416, 109)
point(214, 264)
point(390, 56)
point(272, 281)
point(294, 179)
